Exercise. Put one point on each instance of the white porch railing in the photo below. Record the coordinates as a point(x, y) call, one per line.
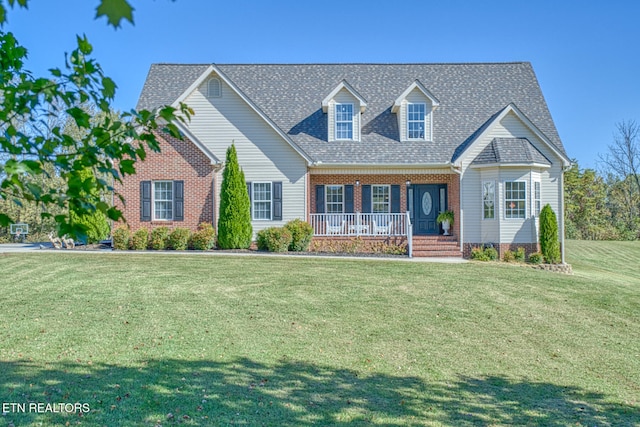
point(360, 224)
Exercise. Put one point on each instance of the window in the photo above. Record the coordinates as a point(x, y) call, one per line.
point(536, 197)
point(163, 200)
point(515, 199)
point(380, 202)
point(334, 199)
point(344, 121)
point(261, 199)
point(214, 88)
point(488, 200)
point(415, 121)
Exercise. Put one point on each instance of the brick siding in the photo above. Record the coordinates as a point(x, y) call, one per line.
point(177, 160)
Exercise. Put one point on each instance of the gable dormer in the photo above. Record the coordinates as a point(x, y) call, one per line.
point(414, 109)
point(343, 106)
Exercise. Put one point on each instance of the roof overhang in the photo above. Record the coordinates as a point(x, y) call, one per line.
point(214, 69)
point(415, 85)
point(512, 108)
point(344, 85)
point(509, 165)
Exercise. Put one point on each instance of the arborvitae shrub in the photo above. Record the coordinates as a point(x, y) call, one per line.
point(301, 234)
point(274, 239)
point(234, 225)
point(140, 239)
point(549, 244)
point(95, 224)
point(159, 238)
point(203, 239)
point(179, 239)
point(121, 236)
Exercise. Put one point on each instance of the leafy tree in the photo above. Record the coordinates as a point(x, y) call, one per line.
point(586, 212)
point(110, 147)
point(234, 225)
point(549, 244)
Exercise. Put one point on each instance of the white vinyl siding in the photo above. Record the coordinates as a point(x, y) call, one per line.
point(263, 154)
point(344, 121)
point(162, 200)
point(261, 200)
point(380, 199)
point(334, 199)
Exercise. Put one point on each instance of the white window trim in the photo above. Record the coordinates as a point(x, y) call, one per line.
point(494, 200)
point(153, 200)
point(504, 212)
point(335, 119)
point(388, 187)
point(326, 198)
point(424, 120)
point(253, 201)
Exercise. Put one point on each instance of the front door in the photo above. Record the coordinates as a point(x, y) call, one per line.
point(428, 201)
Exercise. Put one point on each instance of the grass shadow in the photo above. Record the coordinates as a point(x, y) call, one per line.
point(291, 393)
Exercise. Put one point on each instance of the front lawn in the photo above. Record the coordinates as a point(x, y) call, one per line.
point(170, 339)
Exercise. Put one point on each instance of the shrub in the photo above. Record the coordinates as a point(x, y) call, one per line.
point(159, 238)
point(94, 224)
point(520, 254)
point(301, 235)
point(508, 256)
point(203, 239)
point(179, 239)
point(274, 239)
point(234, 225)
point(140, 239)
point(549, 245)
point(121, 236)
point(491, 253)
point(478, 254)
point(535, 258)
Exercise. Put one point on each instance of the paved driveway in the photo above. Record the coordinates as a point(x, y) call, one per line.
point(23, 247)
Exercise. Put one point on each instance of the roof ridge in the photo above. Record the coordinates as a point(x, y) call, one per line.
point(342, 63)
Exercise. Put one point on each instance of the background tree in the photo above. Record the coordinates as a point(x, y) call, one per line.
point(234, 224)
point(30, 101)
point(94, 223)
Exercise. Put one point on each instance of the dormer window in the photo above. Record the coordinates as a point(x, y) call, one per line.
point(344, 121)
point(214, 88)
point(415, 120)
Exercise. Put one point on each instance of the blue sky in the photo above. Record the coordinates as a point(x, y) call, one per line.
point(586, 54)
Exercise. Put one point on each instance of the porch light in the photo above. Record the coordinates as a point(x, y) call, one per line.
point(408, 183)
point(357, 183)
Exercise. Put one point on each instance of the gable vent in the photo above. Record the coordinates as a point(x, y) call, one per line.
point(214, 88)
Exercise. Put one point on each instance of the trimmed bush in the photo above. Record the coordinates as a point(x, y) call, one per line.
point(234, 225)
point(203, 239)
point(549, 244)
point(508, 256)
point(121, 236)
point(274, 239)
point(159, 238)
point(179, 239)
point(520, 254)
point(140, 239)
point(535, 258)
point(491, 253)
point(478, 254)
point(301, 234)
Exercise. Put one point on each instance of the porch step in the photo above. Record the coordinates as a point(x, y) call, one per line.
point(436, 246)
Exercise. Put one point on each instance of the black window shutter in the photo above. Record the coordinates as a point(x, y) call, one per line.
point(319, 198)
point(250, 201)
point(145, 200)
point(348, 199)
point(178, 200)
point(277, 201)
point(366, 199)
point(395, 199)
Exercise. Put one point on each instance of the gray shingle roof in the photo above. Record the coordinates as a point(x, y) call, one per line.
point(291, 95)
point(510, 151)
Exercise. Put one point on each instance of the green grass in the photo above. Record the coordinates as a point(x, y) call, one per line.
point(297, 341)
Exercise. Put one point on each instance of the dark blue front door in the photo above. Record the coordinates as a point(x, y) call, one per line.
point(427, 201)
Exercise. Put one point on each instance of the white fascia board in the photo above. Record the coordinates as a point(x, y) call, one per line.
point(510, 165)
point(344, 85)
point(511, 108)
point(320, 165)
point(198, 143)
point(434, 101)
point(213, 69)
